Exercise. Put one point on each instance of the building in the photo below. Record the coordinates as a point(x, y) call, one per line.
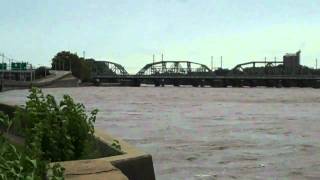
point(291, 61)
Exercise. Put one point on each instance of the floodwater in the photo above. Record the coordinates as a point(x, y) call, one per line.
point(211, 133)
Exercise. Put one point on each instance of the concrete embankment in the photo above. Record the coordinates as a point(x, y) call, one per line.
point(56, 79)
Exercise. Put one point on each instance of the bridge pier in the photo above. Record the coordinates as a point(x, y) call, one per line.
point(252, 83)
point(176, 83)
point(136, 83)
point(202, 83)
point(217, 83)
point(97, 82)
point(156, 83)
point(289, 83)
point(195, 83)
point(286, 83)
point(162, 82)
point(271, 83)
point(316, 84)
point(279, 84)
point(212, 84)
point(237, 83)
point(304, 83)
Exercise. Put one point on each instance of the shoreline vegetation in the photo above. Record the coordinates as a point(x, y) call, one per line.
point(45, 131)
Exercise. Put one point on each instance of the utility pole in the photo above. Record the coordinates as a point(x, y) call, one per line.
point(2, 66)
point(265, 59)
point(45, 70)
point(162, 57)
point(2, 59)
point(211, 63)
point(316, 63)
point(1, 82)
point(32, 73)
point(10, 68)
point(153, 58)
point(152, 68)
point(221, 62)
point(84, 54)
point(69, 64)
point(20, 72)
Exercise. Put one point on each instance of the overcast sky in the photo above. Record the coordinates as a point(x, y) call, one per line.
point(129, 32)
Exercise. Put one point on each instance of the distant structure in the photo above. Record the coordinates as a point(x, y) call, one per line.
point(291, 61)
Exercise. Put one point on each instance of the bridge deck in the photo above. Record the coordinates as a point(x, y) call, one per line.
point(143, 77)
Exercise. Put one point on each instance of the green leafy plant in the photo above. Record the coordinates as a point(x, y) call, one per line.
point(20, 165)
point(5, 121)
point(58, 132)
point(116, 144)
point(53, 132)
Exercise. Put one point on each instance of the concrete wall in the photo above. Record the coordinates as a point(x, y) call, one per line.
point(56, 79)
point(135, 164)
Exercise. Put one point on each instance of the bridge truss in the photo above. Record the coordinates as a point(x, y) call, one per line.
point(174, 68)
point(101, 68)
point(259, 68)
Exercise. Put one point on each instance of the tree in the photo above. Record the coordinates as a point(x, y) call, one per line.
point(66, 60)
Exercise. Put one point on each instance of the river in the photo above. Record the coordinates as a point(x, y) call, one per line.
point(210, 133)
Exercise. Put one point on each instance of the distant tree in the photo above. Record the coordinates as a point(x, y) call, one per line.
point(41, 72)
point(63, 60)
point(82, 69)
point(66, 60)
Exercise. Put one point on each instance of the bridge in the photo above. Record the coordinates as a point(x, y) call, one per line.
point(216, 81)
point(253, 68)
point(174, 68)
point(178, 73)
point(107, 68)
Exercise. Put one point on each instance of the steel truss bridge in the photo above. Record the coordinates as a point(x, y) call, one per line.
point(101, 68)
point(174, 68)
point(253, 68)
point(198, 75)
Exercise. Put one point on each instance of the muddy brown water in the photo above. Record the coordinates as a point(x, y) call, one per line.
point(208, 133)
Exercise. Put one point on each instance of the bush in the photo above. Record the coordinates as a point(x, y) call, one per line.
point(53, 132)
point(20, 165)
point(41, 72)
point(58, 131)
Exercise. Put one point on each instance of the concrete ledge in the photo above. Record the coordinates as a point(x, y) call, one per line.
point(134, 163)
point(91, 169)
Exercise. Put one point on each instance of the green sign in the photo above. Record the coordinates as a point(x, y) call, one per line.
point(3, 66)
point(18, 66)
